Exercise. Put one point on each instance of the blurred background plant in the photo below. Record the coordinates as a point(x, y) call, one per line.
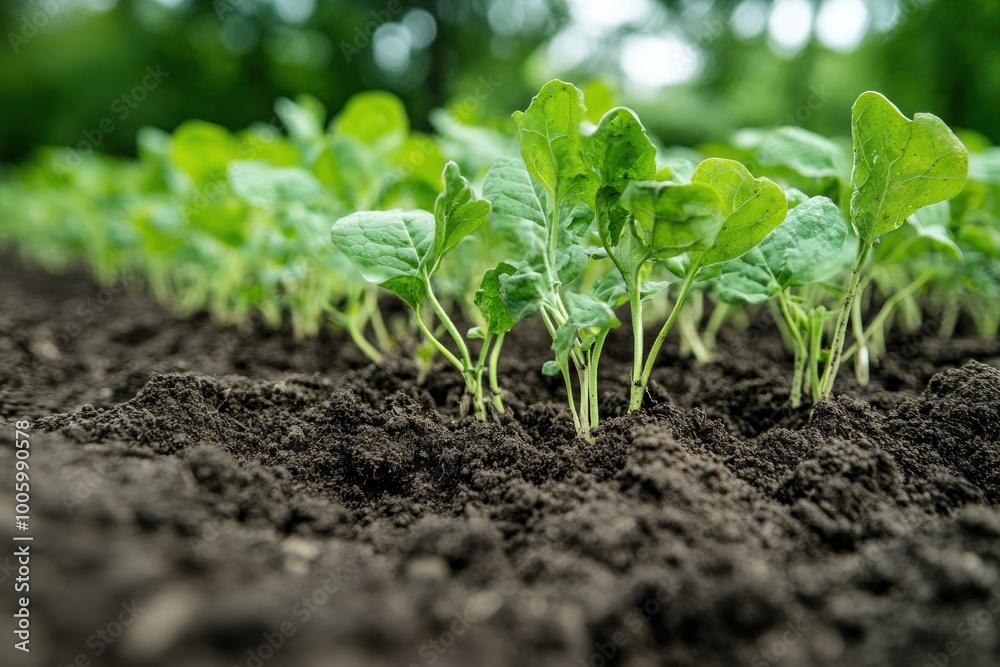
point(693, 69)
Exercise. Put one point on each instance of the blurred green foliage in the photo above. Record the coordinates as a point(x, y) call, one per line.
point(75, 71)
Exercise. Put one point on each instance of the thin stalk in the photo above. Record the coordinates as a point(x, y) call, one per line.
point(448, 324)
point(689, 333)
point(799, 349)
point(878, 324)
point(638, 392)
point(817, 319)
point(382, 335)
point(840, 333)
point(570, 399)
point(862, 372)
point(595, 360)
point(635, 301)
point(350, 325)
point(715, 322)
point(494, 382)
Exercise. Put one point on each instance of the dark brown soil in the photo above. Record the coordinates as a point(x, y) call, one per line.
point(237, 492)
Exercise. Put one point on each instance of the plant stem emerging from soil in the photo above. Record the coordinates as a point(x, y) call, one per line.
point(639, 390)
point(840, 333)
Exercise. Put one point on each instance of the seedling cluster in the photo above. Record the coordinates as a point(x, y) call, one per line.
point(576, 218)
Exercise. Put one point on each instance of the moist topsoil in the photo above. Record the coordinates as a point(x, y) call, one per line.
point(202, 495)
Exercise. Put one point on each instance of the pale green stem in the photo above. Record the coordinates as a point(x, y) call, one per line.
point(494, 381)
point(840, 333)
point(595, 360)
point(639, 392)
point(800, 351)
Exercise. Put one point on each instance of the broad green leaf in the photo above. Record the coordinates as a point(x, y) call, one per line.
point(490, 301)
point(203, 151)
point(551, 143)
point(418, 162)
point(551, 368)
point(674, 219)
point(620, 152)
point(509, 188)
point(805, 248)
point(522, 292)
point(457, 212)
point(260, 183)
point(346, 167)
point(752, 208)
point(375, 118)
point(388, 247)
point(900, 165)
point(747, 279)
point(802, 151)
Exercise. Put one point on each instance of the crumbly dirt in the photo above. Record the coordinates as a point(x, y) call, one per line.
point(246, 499)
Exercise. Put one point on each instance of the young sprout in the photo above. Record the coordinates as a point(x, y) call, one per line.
point(900, 166)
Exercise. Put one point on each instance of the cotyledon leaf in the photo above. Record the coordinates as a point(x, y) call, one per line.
point(900, 165)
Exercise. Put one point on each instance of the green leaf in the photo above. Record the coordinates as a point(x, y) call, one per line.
point(509, 188)
point(203, 151)
point(552, 145)
point(900, 165)
point(620, 152)
point(457, 212)
point(805, 248)
point(611, 289)
point(490, 301)
point(551, 368)
point(522, 292)
point(752, 208)
point(262, 184)
point(802, 151)
point(586, 315)
point(747, 279)
point(375, 118)
point(932, 224)
point(388, 247)
point(674, 219)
